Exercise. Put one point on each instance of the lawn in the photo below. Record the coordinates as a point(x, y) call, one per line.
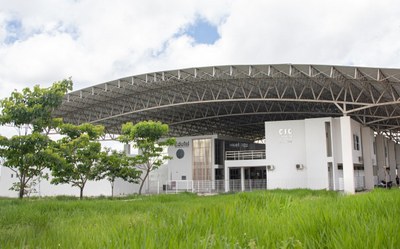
point(265, 219)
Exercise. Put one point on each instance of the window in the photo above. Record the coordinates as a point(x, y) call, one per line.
point(374, 146)
point(328, 139)
point(202, 164)
point(356, 142)
point(358, 167)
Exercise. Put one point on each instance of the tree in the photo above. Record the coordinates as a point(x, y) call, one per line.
point(30, 111)
point(147, 138)
point(114, 164)
point(80, 151)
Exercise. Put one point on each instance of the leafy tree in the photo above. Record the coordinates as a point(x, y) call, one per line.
point(80, 151)
point(147, 138)
point(30, 111)
point(114, 164)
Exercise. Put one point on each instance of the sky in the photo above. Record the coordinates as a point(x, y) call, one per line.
point(95, 41)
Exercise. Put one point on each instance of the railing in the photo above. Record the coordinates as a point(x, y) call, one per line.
point(245, 155)
point(359, 183)
point(217, 186)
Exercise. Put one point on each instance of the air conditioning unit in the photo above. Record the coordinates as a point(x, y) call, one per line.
point(360, 159)
point(299, 166)
point(270, 167)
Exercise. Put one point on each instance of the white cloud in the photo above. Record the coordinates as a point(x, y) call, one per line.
point(95, 41)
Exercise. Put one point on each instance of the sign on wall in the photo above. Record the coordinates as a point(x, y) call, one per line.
point(286, 135)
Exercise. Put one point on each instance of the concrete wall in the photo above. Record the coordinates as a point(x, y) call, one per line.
point(6, 182)
point(305, 142)
point(178, 167)
point(245, 163)
point(156, 180)
point(43, 187)
point(285, 148)
point(337, 154)
point(356, 130)
point(316, 153)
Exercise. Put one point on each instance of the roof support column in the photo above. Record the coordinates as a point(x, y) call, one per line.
point(226, 179)
point(367, 139)
point(242, 178)
point(347, 154)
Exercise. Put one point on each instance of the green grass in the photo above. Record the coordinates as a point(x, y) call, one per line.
point(268, 219)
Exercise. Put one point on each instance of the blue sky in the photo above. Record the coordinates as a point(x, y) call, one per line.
point(13, 30)
point(203, 32)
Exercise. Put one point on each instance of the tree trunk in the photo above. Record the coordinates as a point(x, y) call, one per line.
point(112, 189)
point(142, 183)
point(81, 194)
point(21, 188)
point(21, 191)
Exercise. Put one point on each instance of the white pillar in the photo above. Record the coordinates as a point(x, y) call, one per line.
point(347, 154)
point(392, 161)
point(242, 178)
point(367, 139)
point(381, 158)
point(226, 179)
point(397, 150)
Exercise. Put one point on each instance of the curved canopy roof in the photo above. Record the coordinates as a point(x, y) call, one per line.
point(237, 100)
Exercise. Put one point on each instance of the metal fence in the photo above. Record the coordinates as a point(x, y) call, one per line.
point(359, 183)
point(217, 186)
point(245, 155)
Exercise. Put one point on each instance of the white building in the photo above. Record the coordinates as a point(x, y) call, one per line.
point(325, 126)
point(321, 153)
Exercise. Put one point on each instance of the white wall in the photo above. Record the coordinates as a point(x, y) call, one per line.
point(337, 141)
point(356, 130)
point(317, 158)
point(6, 182)
point(245, 163)
point(45, 188)
point(183, 166)
point(304, 142)
point(285, 147)
point(337, 154)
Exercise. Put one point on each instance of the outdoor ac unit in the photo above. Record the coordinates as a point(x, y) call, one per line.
point(299, 166)
point(360, 159)
point(270, 167)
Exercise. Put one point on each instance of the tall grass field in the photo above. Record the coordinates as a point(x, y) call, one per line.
point(265, 219)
